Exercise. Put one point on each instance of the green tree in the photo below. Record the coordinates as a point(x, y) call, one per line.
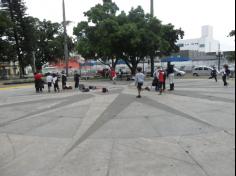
point(96, 36)
point(7, 50)
point(16, 11)
point(130, 37)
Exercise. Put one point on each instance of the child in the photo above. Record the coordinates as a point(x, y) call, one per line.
point(113, 75)
point(139, 80)
point(161, 77)
point(49, 81)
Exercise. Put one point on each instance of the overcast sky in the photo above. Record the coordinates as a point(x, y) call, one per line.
point(190, 15)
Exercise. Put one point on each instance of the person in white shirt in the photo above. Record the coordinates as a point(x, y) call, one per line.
point(139, 81)
point(49, 81)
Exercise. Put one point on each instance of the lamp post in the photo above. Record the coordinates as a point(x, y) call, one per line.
point(66, 54)
point(219, 55)
point(152, 8)
point(152, 57)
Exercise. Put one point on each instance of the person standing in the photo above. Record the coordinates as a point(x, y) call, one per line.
point(156, 79)
point(39, 84)
point(139, 81)
point(171, 75)
point(161, 78)
point(214, 74)
point(225, 74)
point(76, 79)
point(63, 80)
point(56, 83)
point(49, 81)
point(113, 75)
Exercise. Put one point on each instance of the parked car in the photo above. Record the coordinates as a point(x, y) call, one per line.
point(179, 72)
point(202, 71)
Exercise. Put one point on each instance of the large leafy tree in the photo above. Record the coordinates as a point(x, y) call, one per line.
point(7, 50)
point(23, 35)
point(130, 37)
point(96, 36)
point(16, 12)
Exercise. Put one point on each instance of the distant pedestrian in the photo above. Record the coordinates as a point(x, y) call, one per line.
point(63, 80)
point(49, 81)
point(56, 83)
point(76, 79)
point(225, 74)
point(139, 81)
point(171, 75)
point(113, 75)
point(39, 84)
point(155, 82)
point(214, 74)
point(161, 78)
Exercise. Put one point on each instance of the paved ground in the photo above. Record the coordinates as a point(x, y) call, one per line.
point(190, 132)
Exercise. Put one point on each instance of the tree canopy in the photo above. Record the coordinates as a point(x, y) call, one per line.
point(109, 36)
point(22, 35)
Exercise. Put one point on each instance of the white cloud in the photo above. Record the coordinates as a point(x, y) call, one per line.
point(190, 15)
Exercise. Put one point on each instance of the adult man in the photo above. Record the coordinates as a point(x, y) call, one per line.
point(76, 79)
point(171, 75)
point(63, 80)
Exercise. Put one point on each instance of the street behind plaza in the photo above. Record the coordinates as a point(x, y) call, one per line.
point(188, 132)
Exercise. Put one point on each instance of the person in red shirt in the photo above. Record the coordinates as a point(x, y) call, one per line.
point(113, 75)
point(38, 82)
point(161, 76)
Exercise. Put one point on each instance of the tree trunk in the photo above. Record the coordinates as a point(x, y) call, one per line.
point(152, 65)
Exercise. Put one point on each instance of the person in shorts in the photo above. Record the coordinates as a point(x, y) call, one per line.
point(139, 81)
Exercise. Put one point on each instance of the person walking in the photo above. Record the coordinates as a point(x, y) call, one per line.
point(49, 81)
point(171, 75)
point(139, 81)
point(76, 79)
point(225, 74)
point(63, 80)
point(214, 74)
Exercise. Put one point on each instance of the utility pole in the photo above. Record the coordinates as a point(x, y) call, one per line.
point(152, 8)
point(66, 53)
point(152, 57)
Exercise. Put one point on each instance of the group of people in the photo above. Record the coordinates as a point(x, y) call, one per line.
point(160, 77)
point(52, 80)
point(225, 74)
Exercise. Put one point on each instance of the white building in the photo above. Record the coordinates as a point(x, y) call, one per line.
point(204, 44)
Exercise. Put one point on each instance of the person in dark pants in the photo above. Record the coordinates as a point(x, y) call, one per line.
point(39, 84)
point(56, 83)
point(155, 80)
point(76, 79)
point(171, 75)
point(63, 80)
point(214, 74)
point(225, 75)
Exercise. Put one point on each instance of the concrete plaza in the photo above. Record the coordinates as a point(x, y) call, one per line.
point(190, 132)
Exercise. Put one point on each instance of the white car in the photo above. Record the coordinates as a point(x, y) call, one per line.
point(179, 72)
point(202, 71)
